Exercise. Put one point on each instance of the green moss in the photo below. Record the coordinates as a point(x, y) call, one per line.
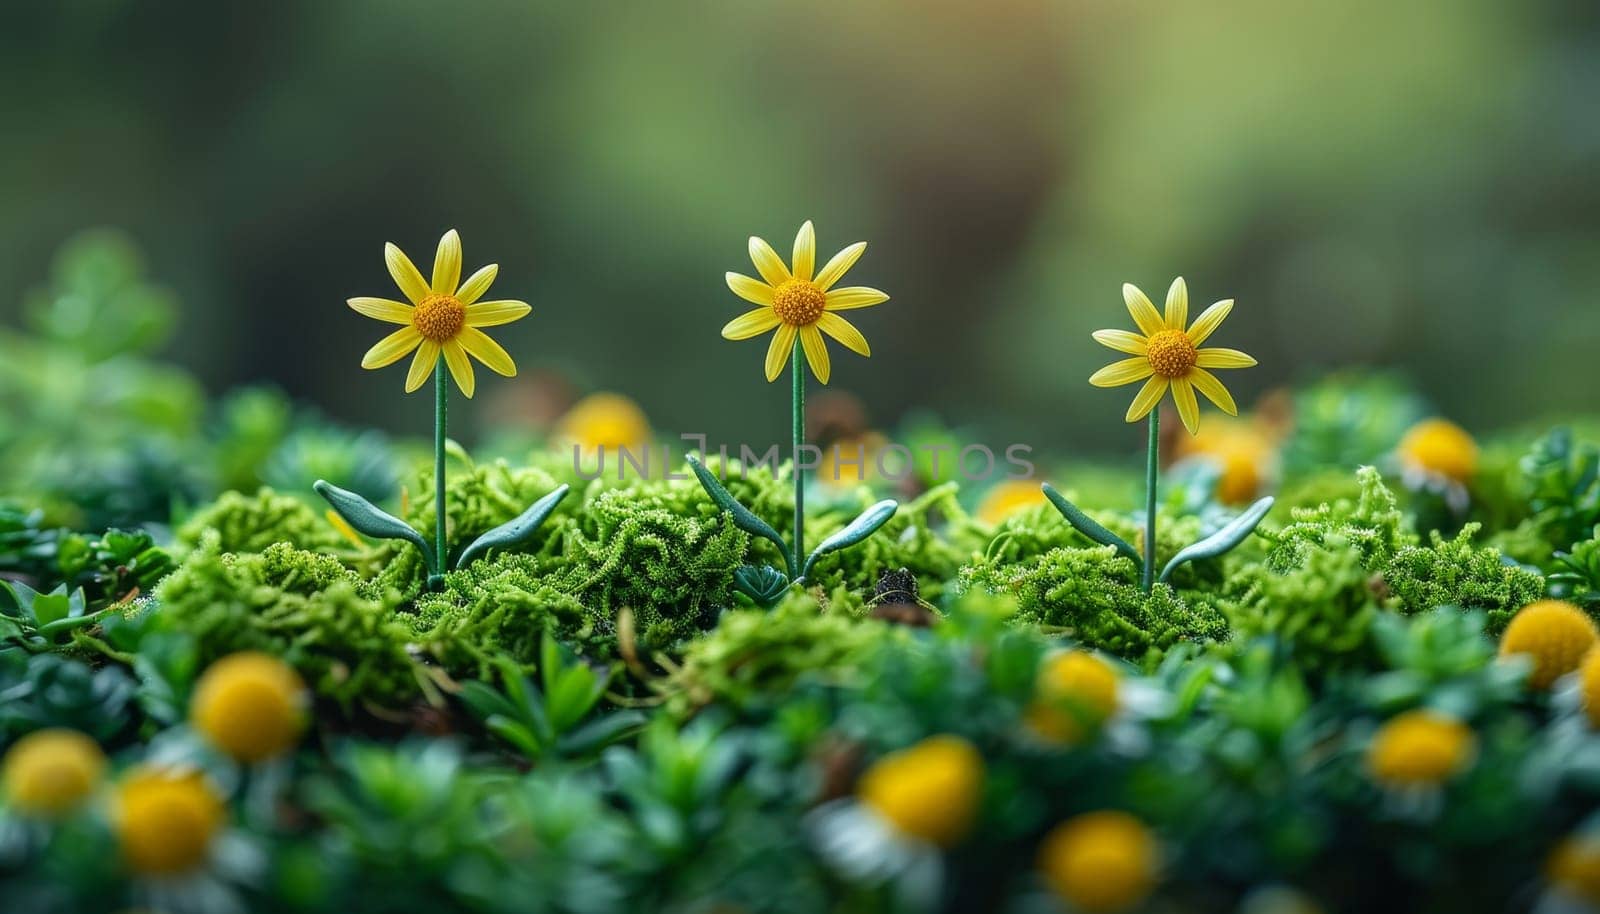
point(251, 523)
point(1455, 573)
point(658, 547)
point(338, 631)
point(1322, 608)
point(929, 537)
point(1372, 524)
point(498, 607)
point(478, 498)
point(755, 655)
point(1094, 596)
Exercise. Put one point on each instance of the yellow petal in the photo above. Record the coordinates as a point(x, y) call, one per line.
point(495, 313)
point(1121, 341)
point(1222, 358)
point(1124, 372)
point(852, 297)
point(751, 323)
point(426, 360)
point(460, 367)
point(1208, 384)
point(778, 352)
point(834, 269)
point(487, 351)
point(1149, 396)
point(768, 263)
point(816, 352)
point(1188, 409)
point(405, 274)
point(845, 332)
point(382, 309)
point(805, 251)
point(447, 264)
point(1144, 313)
point(1178, 305)
point(392, 348)
point(751, 290)
point(1208, 321)
point(477, 284)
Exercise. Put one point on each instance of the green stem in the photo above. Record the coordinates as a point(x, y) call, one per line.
point(441, 387)
point(1151, 459)
point(798, 366)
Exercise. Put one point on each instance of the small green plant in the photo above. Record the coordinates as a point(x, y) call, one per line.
point(541, 719)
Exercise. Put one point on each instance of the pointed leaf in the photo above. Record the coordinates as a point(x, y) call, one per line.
point(1087, 525)
point(743, 517)
point(865, 524)
point(22, 594)
point(1231, 535)
point(601, 732)
point(516, 531)
point(371, 519)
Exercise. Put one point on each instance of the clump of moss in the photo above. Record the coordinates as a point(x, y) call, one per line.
point(1322, 609)
point(753, 655)
point(251, 523)
point(1372, 525)
point(636, 549)
point(929, 537)
point(1455, 573)
point(1032, 532)
point(659, 547)
point(478, 498)
point(1094, 596)
point(499, 607)
point(339, 631)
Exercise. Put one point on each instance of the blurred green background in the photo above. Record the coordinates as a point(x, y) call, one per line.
point(1410, 185)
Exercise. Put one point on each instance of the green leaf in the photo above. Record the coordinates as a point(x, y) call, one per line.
point(602, 732)
point(372, 520)
point(23, 595)
point(1231, 535)
point(761, 583)
point(1087, 525)
point(865, 524)
point(516, 531)
point(743, 517)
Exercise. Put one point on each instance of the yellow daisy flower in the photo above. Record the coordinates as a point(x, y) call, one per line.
point(1170, 356)
point(800, 303)
point(443, 318)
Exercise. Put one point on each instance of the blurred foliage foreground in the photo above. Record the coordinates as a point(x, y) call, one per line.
point(216, 699)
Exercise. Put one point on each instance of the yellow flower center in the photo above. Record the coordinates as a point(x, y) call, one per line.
point(1442, 448)
point(1007, 498)
point(250, 705)
point(1589, 680)
point(165, 820)
point(1171, 353)
point(799, 303)
point(1420, 748)
point(929, 791)
point(1575, 866)
point(439, 317)
point(605, 420)
point(1077, 691)
point(1555, 634)
point(48, 773)
point(1100, 861)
